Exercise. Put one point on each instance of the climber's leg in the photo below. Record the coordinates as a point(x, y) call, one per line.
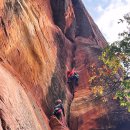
point(58, 115)
point(69, 80)
point(76, 81)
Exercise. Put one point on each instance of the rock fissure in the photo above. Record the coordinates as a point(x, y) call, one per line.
point(71, 86)
point(4, 26)
point(3, 123)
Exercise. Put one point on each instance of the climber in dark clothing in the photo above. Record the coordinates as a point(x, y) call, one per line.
point(72, 77)
point(58, 109)
point(76, 78)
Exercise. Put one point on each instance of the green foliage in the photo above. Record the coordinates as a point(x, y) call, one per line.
point(126, 84)
point(115, 68)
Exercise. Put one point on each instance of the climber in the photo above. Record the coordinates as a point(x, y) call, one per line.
point(72, 77)
point(58, 109)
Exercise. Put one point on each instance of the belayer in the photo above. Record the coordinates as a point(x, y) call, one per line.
point(58, 110)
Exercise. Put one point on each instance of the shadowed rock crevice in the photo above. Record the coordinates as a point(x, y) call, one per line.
point(64, 17)
point(3, 123)
point(73, 55)
point(80, 15)
point(58, 10)
point(3, 26)
point(58, 88)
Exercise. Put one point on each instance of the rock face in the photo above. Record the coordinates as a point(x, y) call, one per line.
point(55, 124)
point(38, 39)
point(16, 110)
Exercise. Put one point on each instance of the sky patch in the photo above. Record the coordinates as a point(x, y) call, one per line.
point(106, 14)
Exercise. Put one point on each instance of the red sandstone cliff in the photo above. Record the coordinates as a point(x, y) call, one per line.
point(38, 38)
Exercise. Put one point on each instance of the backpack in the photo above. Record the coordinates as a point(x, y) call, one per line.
point(57, 110)
point(76, 75)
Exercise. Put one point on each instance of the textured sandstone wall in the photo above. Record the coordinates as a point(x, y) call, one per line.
point(34, 48)
point(38, 38)
point(16, 111)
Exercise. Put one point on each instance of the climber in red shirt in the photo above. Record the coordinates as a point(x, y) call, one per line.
point(72, 75)
point(70, 72)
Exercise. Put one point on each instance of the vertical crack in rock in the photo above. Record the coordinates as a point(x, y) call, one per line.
point(58, 9)
point(3, 26)
point(2, 121)
point(17, 8)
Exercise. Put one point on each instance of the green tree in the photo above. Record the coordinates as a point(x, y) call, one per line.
point(114, 73)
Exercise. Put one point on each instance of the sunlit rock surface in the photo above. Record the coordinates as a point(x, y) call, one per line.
point(38, 39)
point(55, 124)
point(16, 111)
